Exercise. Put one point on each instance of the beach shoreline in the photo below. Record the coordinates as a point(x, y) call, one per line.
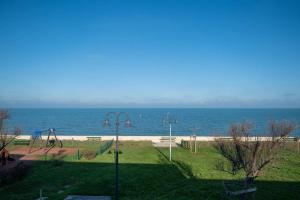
point(139, 138)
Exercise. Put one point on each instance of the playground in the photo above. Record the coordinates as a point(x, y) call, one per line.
point(33, 154)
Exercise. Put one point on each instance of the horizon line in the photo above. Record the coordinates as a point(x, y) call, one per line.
point(150, 108)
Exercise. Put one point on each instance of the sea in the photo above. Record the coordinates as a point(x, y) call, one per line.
point(147, 121)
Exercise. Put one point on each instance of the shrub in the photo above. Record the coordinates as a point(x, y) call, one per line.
point(57, 162)
point(252, 154)
point(20, 171)
point(57, 159)
point(5, 137)
point(14, 174)
point(89, 155)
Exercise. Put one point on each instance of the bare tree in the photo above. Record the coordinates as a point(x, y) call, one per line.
point(252, 154)
point(5, 138)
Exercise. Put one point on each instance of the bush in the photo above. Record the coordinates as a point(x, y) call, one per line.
point(56, 162)
point(89, 155)
point(252, 154)
point(58, 159)
point(14, 174)
point(20, 171)
point(110, 151)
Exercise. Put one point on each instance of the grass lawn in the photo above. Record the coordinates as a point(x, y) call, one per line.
point(146, 173)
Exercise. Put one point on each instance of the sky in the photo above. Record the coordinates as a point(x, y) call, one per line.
point(210, 54)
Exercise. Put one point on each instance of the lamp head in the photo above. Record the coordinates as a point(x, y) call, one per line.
point(51, 130)
point(128, 123)
point(106, 123)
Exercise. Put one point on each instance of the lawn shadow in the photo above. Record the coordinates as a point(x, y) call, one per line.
point(163, 159)
point(137, 181)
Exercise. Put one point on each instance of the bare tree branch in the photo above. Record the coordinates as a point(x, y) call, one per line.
point(253, 155)
point(6, 138)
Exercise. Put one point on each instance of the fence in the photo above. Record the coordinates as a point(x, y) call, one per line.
point(191, 144)
point(105, 146)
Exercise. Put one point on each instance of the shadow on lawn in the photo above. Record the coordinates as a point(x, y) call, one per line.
point(137, 181)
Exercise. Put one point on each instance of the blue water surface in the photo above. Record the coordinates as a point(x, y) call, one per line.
point(147, 121)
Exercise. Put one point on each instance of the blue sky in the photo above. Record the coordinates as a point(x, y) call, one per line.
point(150, 53)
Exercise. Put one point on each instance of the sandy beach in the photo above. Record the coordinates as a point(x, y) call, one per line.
point(138, 138)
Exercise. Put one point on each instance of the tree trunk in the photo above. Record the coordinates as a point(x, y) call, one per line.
point(249, 181)
point(3, 158)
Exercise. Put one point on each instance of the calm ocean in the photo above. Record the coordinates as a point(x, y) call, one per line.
point(147, 121)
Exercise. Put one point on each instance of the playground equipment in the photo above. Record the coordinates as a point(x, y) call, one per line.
point(35, 137)
point(50, 142)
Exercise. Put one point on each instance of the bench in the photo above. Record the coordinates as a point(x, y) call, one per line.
point(226, 138)
point(230, 192)
point(21, 142)
point(94, 138)
point(291, 139)
point(167, 139)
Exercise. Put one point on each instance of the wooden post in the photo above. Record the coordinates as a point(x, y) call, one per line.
point(195, 144)
point(190, 146)
point(78, 154)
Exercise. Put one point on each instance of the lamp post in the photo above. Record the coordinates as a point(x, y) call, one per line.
point(128, 124)
point(170, 120)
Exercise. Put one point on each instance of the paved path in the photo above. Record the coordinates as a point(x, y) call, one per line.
point(78, 197)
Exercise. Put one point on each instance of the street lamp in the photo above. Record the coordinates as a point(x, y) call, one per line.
point(128, 124)
point(170, 120)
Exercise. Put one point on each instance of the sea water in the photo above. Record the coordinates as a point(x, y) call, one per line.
point(147, 121)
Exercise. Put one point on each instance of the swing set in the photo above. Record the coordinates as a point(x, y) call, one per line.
point(51, 141)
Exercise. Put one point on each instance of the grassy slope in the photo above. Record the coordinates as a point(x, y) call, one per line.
point(145, 173)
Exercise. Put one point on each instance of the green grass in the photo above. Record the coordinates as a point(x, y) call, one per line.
point(146, 173)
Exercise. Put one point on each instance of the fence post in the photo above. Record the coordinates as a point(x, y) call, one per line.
point(195, 144)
